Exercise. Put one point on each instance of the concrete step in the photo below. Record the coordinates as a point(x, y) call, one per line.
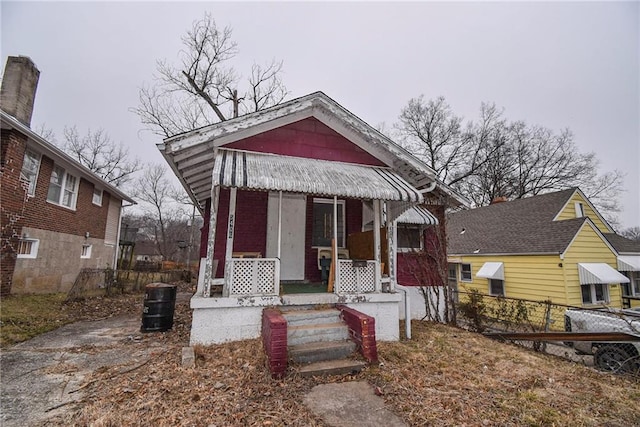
point(331, 367)
point(320, 351)
point(303, 334)
point(311, 317)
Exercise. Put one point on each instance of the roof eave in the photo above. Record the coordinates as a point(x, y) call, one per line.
point(57, 154)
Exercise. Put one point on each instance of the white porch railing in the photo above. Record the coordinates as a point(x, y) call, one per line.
point(252, 276)
point(357, 277)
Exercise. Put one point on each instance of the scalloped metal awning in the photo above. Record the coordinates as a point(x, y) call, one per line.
point(269, 172)
point(418, 215)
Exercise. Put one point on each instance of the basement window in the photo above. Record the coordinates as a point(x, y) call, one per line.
point(86, 251)
point(28, 248)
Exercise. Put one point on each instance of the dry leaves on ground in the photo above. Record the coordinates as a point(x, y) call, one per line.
point(443, 376)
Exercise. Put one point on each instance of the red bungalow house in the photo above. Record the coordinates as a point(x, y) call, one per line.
point(276, 188)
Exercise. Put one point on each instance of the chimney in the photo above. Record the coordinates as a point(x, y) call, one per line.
point(18, 90)
point(497, 200)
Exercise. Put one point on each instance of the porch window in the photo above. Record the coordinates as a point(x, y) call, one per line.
point(29, 172)
point(63, 188)
point(409, 237)
point(323, 222)
point(595, 293)
point(465, 272)
point(496, 287)
point(27, 248)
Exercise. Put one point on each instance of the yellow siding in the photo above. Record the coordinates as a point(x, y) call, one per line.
point(588, 247)
point(569, 212)
point(532, 277)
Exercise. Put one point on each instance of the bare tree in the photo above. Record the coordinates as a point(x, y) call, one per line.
point(632, 233)
point(95, 150)
point(494, 157)
point(205, 88)
point(155, 193)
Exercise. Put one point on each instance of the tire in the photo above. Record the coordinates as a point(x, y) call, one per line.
point(616, 358)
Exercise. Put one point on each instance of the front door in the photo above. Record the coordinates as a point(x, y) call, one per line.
point(292, 253)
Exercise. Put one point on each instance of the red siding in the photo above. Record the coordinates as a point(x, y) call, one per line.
point(250, 228)
point(308, 138)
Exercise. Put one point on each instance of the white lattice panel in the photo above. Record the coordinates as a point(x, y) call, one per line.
point(356, 279)
point(253, 276)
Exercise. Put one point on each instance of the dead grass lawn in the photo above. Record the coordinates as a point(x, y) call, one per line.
point(442, 377)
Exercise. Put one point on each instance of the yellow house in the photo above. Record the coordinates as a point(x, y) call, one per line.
point(554, 246)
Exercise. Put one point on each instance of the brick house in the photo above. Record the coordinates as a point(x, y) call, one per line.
point(56, 215)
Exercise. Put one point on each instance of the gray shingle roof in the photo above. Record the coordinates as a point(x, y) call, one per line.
point(622, 244)
point(520, 226)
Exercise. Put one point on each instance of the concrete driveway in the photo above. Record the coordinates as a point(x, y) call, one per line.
point(43, 376)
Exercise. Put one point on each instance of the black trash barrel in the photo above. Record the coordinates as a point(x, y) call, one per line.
point(159, 304)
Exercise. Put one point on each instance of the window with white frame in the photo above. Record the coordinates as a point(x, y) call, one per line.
point(465, 272)
point(63, 188)
point(635, 283)
point(595, 293)
point(86, 251)
point(409, 237)
point(29, 172)
point(496, 287)
point(579, 209)
point(97, 197)
point(27, 248)
point(323, 222)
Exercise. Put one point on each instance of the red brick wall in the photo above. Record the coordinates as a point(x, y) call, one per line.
point(308, 138)
point(13, 194)
point(19, 211)
point(274, 341)
point(362, 330)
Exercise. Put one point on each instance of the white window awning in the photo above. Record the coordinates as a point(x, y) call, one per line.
point(270, 172)
point(417, 215)
point(629, 263)
point(599, 272)
point(491, 270)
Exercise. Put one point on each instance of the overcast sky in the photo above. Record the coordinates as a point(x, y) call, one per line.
point(574, 65)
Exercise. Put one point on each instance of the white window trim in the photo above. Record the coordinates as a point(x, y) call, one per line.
point(63, 188)
point(592, 289)
point(462, 279)
point(579, 209)
point(86, 255)
point(634, 277)
point(504, 288)
point(35, 244)
point(344, 221)
point(31, 192)
point(93, 197)
point(402, 249)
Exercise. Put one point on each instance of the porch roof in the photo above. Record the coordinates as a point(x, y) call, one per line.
point(269, 172)
point(417, 215)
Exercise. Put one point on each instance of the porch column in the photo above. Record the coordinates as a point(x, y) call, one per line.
point(279, 224)
point(209, 274)
point(336, 284)
point(376, 242)
point(230, 228)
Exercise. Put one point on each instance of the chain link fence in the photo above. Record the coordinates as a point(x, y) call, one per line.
point(606, 338)
point(107, 282)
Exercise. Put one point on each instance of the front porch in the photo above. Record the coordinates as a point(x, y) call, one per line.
point(222, 319)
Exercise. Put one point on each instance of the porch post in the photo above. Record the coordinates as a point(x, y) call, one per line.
point(336, 284)
point(279, 224)
point(376, 242)
point(230, 228)
point(209, 274)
